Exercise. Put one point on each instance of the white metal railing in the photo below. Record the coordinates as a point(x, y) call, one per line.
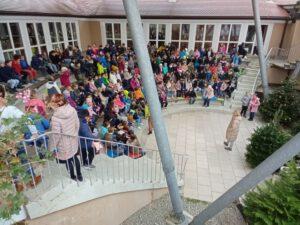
point(278, 54)
point(294, 53)
point(272, 53)
point(115, 163)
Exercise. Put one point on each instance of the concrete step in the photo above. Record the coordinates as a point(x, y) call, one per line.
point(247, 78)
point(248, 82)
point(245, 85)
point(251, 73)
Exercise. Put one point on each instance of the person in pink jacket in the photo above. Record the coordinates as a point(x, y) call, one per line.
point(65, 77)
point(35, 101)
point(253, 106)
point(208, 94)
point(64, 138)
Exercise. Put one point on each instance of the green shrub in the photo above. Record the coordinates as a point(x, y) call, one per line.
point(276, 202)
point(286, 99)
point(263, 142)
point(295, 129)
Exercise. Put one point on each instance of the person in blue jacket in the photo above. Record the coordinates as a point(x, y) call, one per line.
point(37, 126)
point(236, 60)
point(86, 145)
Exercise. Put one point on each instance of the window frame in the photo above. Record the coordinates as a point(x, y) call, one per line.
point(58, 43)
point(74, 40)
point(204, 41)
point(113, 38)
point(180, 40)
point(157, 40)
point(228, 42)
point(13, 49)
point(39, 45)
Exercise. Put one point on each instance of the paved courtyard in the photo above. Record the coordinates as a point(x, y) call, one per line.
point(210, 169)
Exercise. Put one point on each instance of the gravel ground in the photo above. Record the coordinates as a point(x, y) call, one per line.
point(156, 212)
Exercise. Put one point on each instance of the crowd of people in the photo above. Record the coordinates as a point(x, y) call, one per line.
point(105, 99)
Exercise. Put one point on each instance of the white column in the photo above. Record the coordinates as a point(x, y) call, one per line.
point(243, 33)
point(123, 32)
point(47, 36)
point(78, 34)
point(26, 42)
point(65, 35)
point(103, 33)
point(268, 38)
point(1, 53)
point(216, 37)
point(168, 33)
point(192, 36)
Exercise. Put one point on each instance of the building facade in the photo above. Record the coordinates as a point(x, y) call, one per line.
point(28, 35)
point(187, 24)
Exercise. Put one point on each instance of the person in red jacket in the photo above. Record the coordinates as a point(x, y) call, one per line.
point(18, 69)
point(65, 77)
point(28, 69)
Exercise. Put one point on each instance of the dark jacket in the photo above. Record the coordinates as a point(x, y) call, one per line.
point(85, 131)
point(7, 73)
point(36, 62)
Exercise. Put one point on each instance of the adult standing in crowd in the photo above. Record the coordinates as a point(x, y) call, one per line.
point(232, 130)
point(64, 140)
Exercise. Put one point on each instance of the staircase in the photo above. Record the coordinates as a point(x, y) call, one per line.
point(246, 82)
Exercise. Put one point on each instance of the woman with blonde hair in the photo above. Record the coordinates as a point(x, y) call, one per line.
point(232, 130)
point(64, 139)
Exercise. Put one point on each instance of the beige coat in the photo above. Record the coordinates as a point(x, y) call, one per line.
point(65, 121)
point(233, 128)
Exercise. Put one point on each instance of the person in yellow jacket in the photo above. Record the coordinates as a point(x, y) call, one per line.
point(100, 69)
point(148, 117)
point(138, 94)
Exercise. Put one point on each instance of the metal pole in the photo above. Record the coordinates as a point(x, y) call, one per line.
point(261, 56)
point(140, 48)
point(261, 172)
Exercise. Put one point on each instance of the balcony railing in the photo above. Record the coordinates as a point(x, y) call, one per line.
point(117, 165)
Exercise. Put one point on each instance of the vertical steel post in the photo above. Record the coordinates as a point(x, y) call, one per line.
point(261, 55)
point(140, 47)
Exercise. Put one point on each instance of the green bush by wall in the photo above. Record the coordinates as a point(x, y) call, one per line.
point(263, 142)
point(287, 100)
point(276, 202)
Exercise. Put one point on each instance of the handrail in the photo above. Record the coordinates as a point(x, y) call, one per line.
point(258, 72)
point(136, 157)
point(293, 51)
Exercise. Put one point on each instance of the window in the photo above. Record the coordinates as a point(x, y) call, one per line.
point(113, 33)
point(16, 35)
point(56, 35)
point(157, 34)
point(180, 35)
point(204, 36)
point(250, 42)
point(229, 37)
point(36, 37)
point(129, 37)
point(11, 40)
point(5, 40)
point(72, 34)
point(250, 37)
